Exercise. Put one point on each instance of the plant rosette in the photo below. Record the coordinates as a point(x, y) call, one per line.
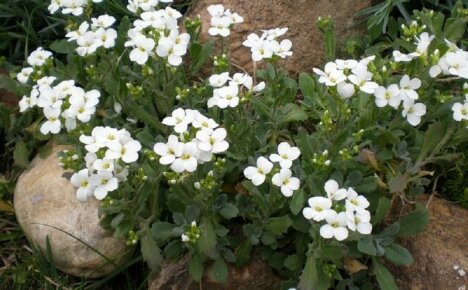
point(217, 166)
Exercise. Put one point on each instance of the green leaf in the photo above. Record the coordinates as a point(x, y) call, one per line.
point(297, 202)
point(200, 59)
point(207, 241)
point(174, 249)
point(294, 262)
point(219, 270)
point(455, 30)
point(366, 246)
point(151, 252)
point(313, 278)
point(243, 252)
point(163, 231)
point(10, 84)
point(414, 222)
point(294, 113)
point(382, 209)
point(307, 85)
point(434, 134)
point(398, 255)
point(368, 184)
point(279, 225)
point(229, 211)
point(398, 183)
point(262, 107)
point(196, 267)
point(21, 154)
point(383, 275)
point(62, 46)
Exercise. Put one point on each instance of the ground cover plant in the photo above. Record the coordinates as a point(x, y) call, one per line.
point(304, 172)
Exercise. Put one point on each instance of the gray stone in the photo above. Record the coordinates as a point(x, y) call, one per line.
point(46, 206)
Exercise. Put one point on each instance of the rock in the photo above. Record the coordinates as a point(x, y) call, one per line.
point(255, 275)
point(299, 15)
point(46, 206)
point(437, 250)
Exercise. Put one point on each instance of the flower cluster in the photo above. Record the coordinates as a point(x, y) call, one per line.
point(108, 149)
point(75, 7)
point(453, 62)
point(339, 219)
point(267, 45)
point(137, 6)
point(192, 234)
point(228, 89)
point(460, 110)
point(347, 75)
point(222, 20)
point(64, 102)
point(36, 60)
point(406, 92)
point(283, 179)
point(422, 44)
point(157, 33)
point(195, 145)
point(90, 37)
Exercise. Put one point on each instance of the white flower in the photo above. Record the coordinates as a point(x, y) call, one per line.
point(187, 160)
point(104, 182)
point(23, 76)
point(401, 57)
point(345, 90)
point(53, 123)
point(179, 119)
point(213, 141)
point(362, 78)
point(423, 42)
point(39, 57)
point(169, 151)
point(460, 111)
point(333, 190)
point(225, 97)
point(285, 180)
point(264, 50)
point(142, 48)
point(75, 34)
point(258, 174)
point(87, 44)
point(388, 96)
point(204, 123)
point(81, 181)
point(103, 21)
point(335, 227)
point(355, 202)
point(173, 47)
point(220, 26)
point(219, 80)
point(331, 76)
point(458, 63)
point(27, 103)
point(105, 37)
point(184, 238)
point(216, 10)
point(318, 208)
point(284, 48)
point(408, 88)
point(413, 112)
point(103, 164)
point(127, 151)
point(286, 155)
point(360, 221)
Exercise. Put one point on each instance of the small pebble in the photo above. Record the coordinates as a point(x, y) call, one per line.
point(461, 272)
point(456, 267)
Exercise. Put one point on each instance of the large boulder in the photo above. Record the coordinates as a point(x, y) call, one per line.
point(440, 252)
point(256, 275)
point(300, 16)
point(46, 206)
